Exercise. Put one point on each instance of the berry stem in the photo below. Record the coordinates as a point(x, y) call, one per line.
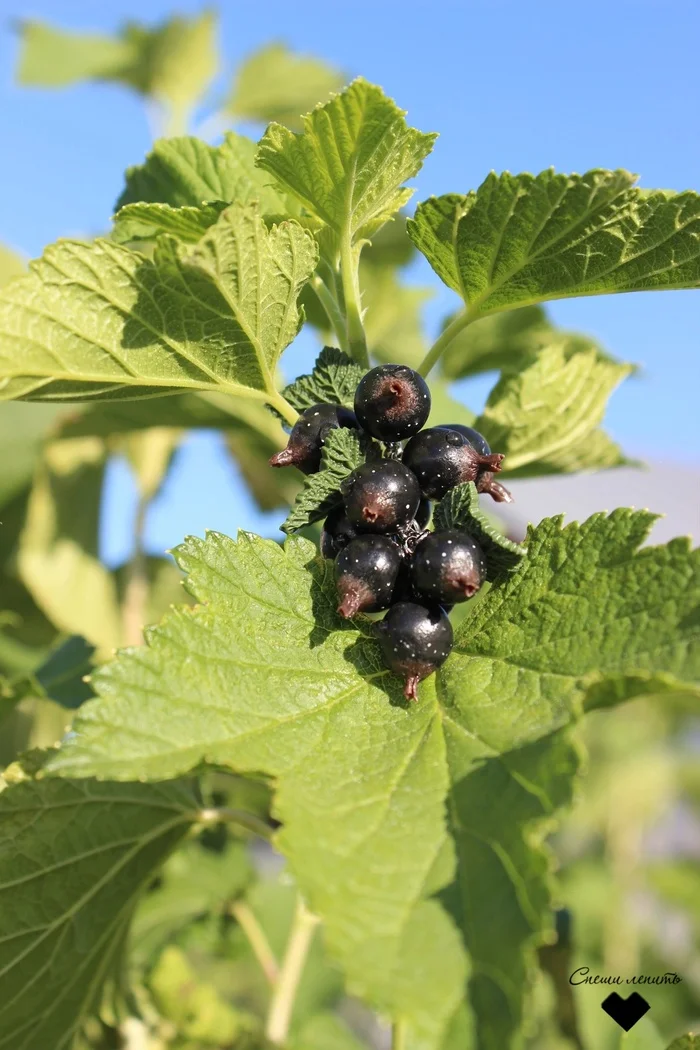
point(349, 270)
point(257, 939)
point(442, 342)
point(282, 1003)
point(280, 404)
point(332, 310)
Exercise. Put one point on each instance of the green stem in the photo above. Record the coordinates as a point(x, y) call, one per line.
point(282, 1004)
point(333, 312)
point(349, 269)
point(280, 403)
point(442, 342)
point(216, 814)
point(398, 1036)
point(257, 938)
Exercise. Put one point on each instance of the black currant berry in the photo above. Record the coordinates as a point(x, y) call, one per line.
point(337, 533)
point(415, 641)
point(475, 439)
point(484, 482)
point(448, 566)
point(365, 573)
point(392, 402)
point(381, 496)
point(309, 434)
point(441, 459)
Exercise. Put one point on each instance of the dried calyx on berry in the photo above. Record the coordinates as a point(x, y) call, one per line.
point(441, 459)
point(448, 566)
point(381, 496)
point(485, 481)
point(365, 573)
point(392, 402)
point(309, 434)
point(415, 641)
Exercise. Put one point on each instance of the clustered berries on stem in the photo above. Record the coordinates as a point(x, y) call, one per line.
point(384, 557)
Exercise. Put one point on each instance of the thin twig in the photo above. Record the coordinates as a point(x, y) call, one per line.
point(246, 919)
point(282, 1003)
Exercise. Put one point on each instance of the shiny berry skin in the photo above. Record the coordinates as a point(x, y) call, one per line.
point(448, 566)
point(392, 402)
point(441, 459)
point(475, 439)
point(365, 573)
point(381, 496)
point(309, 434)
point(337, 533)
point(415, 641)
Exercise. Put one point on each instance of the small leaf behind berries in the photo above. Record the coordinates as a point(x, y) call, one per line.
point(542, 417)
point(523, 239)
point(349, 164)
point(343, 451)
point(460, 509)
point(333, 381)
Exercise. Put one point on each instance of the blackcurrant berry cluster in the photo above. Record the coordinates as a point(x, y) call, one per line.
point(384, 557)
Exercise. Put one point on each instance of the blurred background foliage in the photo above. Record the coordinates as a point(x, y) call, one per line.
point(213, 925)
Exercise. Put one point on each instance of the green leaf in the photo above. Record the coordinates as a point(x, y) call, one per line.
point(23, 431)
point(334, 380)
point(460, 509)
point(393, 316)
point(100, 321)
point(11, 265)
point(496, 342)
point(74, 857)
point(524, 239)
point(58, 556)
point(61, 675)
point(172, 63)
point(326, 1032)
point(187, 173)
point(143, 221)
point(274, 83)
point(685, 1042)
point(349, 164)
point(500, 811)
point(541, 418)
point(344, 450)
point(192, 883)
point(361, 780)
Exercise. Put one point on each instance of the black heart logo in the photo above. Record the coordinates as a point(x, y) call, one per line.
point(625, 1012)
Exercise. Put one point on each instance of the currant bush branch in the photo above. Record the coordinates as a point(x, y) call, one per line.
point(349, 270)
point(257, 939)
point(282, 1003)
point(456, 325)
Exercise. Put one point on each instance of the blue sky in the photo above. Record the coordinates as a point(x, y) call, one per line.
point(508, 86)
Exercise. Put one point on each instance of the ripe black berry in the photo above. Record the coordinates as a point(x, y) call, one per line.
point(441, 459)
point(447, 566)
point(475, 439)
point(484, 482)
point(392, 402)
point(365, 573)
point(381, 496)
point(337, 533)
point(309, 434)
point(415, 641)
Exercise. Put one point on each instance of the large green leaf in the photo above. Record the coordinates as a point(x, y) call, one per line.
point(74, 857)
point(274, 83)
point(349, 164)
point(97, 321)
point(544, 417)
point(361, 778)
point(686, 1042)
point(58, 556)
point(522, 239)
point(172, 63)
